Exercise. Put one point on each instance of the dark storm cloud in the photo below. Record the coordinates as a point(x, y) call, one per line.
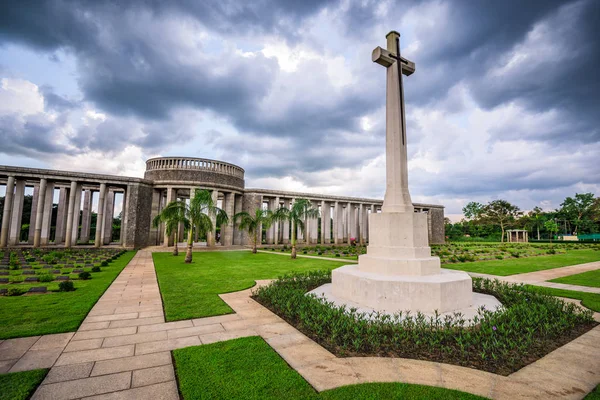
point(56, 102)
point(30, 136)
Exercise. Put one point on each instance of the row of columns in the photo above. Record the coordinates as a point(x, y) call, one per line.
point(68, 214)
point(340, 222)
point(231, 203)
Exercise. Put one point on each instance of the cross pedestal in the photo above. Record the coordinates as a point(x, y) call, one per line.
point(398, 272)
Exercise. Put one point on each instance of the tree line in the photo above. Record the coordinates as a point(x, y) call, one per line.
point(576, 215)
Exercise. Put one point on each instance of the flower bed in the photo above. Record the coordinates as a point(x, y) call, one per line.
point(530, 326)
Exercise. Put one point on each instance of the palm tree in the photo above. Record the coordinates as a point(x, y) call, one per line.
point(197, 214)
point(301, 209)
point(254, 224)
point(172, 216)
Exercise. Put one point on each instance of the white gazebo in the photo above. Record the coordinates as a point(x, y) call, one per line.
point(517, 236)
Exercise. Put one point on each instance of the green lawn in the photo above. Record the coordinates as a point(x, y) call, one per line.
point(589, 300)
point(191, 290)
point(20, 385)
point(522, 265)
point(56, 312)
point(248, 368)
point(589, 278)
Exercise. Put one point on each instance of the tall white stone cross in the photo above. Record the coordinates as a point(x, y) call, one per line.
point(397, 197)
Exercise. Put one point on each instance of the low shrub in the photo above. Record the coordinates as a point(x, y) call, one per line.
point(337, 254)
point(84, 275)
point(66, 286)
point(502, 341)
point(96, 268)
point(46, 278)
point(15, 291)
point(104, 264)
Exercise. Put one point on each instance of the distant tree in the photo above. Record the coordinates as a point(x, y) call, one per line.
point(578, 210)
point(296, 214)
point(537, 216)
point(501, 213)
point(552, 227)
point(473, 210)
point(253, 223)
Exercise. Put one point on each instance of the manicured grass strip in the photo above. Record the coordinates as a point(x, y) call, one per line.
point(522, 265)
point(20, 385)
point(589, 278)
point(56, 312)
point(589, 300)
point(249, 368)
point(191, 290)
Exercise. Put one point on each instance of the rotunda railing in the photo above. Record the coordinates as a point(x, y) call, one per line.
point(192, 163)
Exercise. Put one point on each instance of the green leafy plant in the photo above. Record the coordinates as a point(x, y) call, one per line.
point(46, 278)
point(96, 268)
point(501, 341)
point(15, 291)
point(84, 275)
point(66, 286)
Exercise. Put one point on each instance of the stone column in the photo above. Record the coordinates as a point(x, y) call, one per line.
point(70, 214)
point(345, 223)
point(86, 216)
point(155, 233)
point(269, 232)
point(6, 213)
point(361, 224)
point(171, 195)
point(100, 216)
point(229, 206)
point(327, 223)
point(314, 225)
point(238, 234)
point(109, 213)
point(124, 212)
point(210, 236)
point(285, 225)
point(61, 215)
point(275, 225)
point(47, 216)
point(323, 222)
point(39, 213)
point(17, 213)
point(336, 222)
point(76, 214)
point(33, 213)
point(351, 222)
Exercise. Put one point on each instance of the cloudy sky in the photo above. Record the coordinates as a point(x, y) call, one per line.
point(505, 102)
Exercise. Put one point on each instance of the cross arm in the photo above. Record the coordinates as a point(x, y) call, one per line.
point(385, 58)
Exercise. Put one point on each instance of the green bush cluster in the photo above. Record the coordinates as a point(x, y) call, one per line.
point(66, 286)
point(84, 275)
point(16, 291)
point(499, 341)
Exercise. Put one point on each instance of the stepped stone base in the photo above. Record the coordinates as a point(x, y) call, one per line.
point(444, 291)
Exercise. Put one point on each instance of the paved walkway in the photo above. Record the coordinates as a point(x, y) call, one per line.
point(122, 351)
point(540, 278)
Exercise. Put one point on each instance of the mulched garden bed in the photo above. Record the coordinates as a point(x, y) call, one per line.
point(502, 342)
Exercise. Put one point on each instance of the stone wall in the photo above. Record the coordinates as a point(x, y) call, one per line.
point(138, 207)
point(199, 178)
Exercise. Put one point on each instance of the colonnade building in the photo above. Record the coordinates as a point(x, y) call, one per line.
point(63, 203)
